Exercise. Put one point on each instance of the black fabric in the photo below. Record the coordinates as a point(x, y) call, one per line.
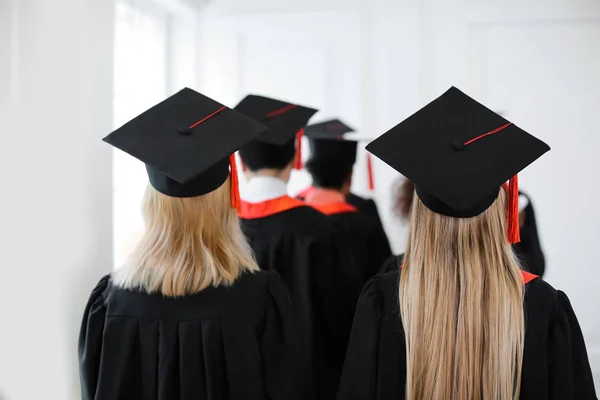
point(328, 145)
point(529, 249)
point(333, 152)
point(283, 118)
point(210, 180)
point(368, 208)
point(360, 254)
point(330, 129)
point(257, 155)
point(555, 364)
point(184, 156)
point(299, 245)
point(424, 149)
point(393, 263)
point(238, 342)
point(328, 174)
point(439, 207)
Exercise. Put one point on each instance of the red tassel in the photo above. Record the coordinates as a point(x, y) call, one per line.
point(370, 172)
point(298, 161)
point(513, 210)
point(235, 187)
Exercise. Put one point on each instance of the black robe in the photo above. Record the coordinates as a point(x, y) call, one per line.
point(360, 254)
point(369, 208)
point(392, 264)
point(237, 342)
point(298, 244)
point(529, 249)
point(555, 364)
point(366, 207)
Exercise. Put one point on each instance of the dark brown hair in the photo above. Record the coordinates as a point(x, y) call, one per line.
point(404, 191)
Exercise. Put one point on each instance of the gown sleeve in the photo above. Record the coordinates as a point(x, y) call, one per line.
point(286, 356)
point(90, 340)
point(569, 367)
point(359, 375)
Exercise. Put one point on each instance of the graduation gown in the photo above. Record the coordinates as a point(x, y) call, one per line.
point(360, 256)
point(366, 207)
point(369, 208)
point(357, 241)
point(529, 249)
point(295, 240)
point(237, 342)
point(555, 364)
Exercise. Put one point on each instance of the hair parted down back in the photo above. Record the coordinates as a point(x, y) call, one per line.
point(189, 244)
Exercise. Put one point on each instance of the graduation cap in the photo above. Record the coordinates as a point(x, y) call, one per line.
point(459, 153)
point(188, 143)
point(285, 120)
point(333, 141)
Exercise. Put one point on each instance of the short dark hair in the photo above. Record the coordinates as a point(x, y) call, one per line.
point(328, 173)
point(257, 155)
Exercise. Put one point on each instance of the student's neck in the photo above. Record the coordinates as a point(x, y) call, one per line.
point(337, 190)
point(270, 173)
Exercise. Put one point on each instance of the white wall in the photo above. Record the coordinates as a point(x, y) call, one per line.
point(55, 229)
point(375, 62)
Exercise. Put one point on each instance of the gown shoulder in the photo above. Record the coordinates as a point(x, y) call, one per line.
point(233, 342)
point(556, 363)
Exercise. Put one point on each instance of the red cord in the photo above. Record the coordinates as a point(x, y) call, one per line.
point(298, 162)
point(370, 174)
point(281, 110)
point(235, 187)
point(207, 117)
point(488, 134)
point(512, 214)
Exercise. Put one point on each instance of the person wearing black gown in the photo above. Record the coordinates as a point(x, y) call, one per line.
point(335, 129)
point(459, 320)
point(287, 235)
point(356, 240)
point(190, 316)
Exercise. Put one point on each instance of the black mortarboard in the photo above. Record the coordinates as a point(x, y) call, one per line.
point(332, 141)
point(328, 141)
point(187, 143)
point(458, 153)
point(286, 122)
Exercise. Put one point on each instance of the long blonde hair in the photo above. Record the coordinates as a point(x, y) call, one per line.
point(461, 300)
point(188, 245)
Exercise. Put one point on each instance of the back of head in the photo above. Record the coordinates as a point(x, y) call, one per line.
point(188, 245)
point(328, 173)
point(258, 155)
point(461, 300)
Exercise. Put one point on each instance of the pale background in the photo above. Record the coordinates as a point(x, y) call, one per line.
point(71, 70)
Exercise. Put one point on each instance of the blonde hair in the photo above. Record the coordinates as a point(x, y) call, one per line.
point(461, 300)
point(188, 245)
